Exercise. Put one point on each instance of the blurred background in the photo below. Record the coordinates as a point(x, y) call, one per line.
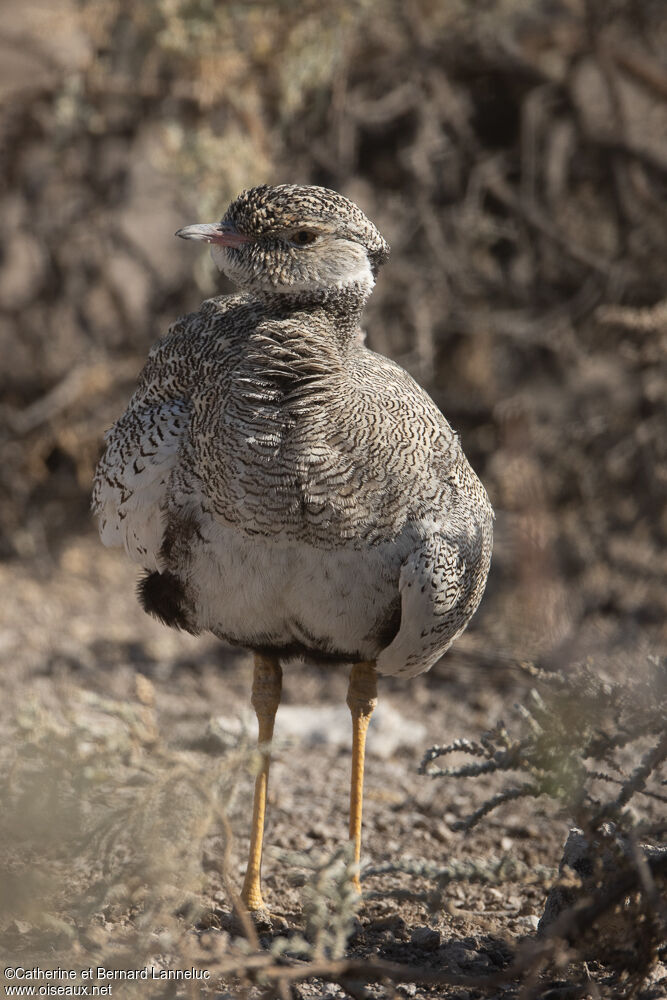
point(514, 154)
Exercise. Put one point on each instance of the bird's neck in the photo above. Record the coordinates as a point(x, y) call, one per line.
point(298, 354)
point(342, 305)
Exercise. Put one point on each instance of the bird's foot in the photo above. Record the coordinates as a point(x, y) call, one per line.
point(262, 919)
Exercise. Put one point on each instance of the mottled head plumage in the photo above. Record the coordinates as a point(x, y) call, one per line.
point(292, 237)
point(263, 210)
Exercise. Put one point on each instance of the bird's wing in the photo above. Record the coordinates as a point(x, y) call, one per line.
point(143, 446)
point(133, 474)
point(435, 585)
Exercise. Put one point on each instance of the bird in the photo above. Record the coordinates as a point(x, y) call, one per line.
point(287, 489)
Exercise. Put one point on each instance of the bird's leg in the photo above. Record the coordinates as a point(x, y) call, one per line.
point(266, 688)
point(361, 699)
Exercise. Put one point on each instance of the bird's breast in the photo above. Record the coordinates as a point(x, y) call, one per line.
point(311, 493)
point(302, 448)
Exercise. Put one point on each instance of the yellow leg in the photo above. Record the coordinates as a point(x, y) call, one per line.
point(361, 699)
point(266, 688)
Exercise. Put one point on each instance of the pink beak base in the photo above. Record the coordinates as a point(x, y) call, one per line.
point(215, 232)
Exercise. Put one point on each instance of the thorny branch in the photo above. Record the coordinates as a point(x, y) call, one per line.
point(575, 718)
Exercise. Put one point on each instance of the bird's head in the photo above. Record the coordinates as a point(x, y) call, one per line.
point(294, 238)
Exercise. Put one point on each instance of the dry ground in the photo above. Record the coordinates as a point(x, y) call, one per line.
point(98, 686)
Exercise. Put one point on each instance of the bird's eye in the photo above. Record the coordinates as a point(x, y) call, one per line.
point(303, 237)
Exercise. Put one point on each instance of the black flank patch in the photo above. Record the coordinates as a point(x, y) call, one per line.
point(163, 596)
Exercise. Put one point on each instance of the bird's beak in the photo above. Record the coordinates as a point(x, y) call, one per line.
point(219, 233)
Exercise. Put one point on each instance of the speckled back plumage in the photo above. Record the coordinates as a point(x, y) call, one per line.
point(285, 487)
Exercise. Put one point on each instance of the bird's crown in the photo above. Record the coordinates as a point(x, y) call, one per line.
point(267, 209)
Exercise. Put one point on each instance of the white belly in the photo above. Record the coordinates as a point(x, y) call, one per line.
point(259, 591)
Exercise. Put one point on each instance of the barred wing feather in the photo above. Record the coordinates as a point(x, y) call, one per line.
point(132, 478)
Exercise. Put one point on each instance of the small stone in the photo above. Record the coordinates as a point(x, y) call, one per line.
point(20, 927)
point(407, 989)
point(210, 921)
point(462, 956)
point(388, 922)
point(318, 831)
point(425, 938)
